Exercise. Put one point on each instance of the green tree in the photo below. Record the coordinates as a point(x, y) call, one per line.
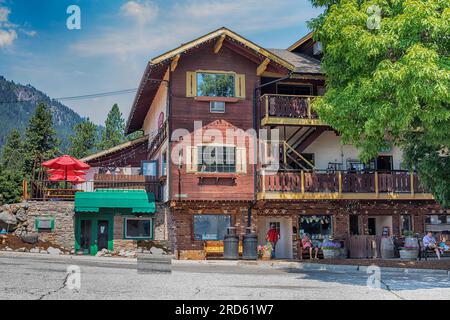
point(12, 152)
point(40, 138)
point(84, 141)
point(114, 132)
point(10, 185)
point(388, 79)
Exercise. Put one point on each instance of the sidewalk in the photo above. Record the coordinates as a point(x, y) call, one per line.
point(275, 264)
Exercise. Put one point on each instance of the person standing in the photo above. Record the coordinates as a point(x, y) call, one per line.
point(273, 236)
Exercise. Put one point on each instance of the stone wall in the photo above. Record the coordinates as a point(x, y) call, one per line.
point(21, 219)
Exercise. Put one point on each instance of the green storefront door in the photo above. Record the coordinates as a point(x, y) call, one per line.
point(94, 232)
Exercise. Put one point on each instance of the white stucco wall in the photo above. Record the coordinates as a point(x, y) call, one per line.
point(159, 105)
point(328, 148)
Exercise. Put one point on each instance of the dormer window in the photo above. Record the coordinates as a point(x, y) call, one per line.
point(215, 85)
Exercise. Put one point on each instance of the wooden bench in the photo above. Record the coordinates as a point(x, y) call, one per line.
point(216, 248)
point(425, 252)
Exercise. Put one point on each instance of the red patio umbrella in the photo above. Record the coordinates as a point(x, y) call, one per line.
point(66, 164)
point(69, 178)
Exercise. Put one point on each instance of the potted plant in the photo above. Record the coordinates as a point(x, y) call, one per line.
point(265, 252)
point(331, 250)
point(410, 250)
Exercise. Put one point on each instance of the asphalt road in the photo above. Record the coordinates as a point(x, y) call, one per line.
point(45, 277)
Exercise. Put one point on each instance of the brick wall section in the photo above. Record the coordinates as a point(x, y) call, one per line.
point(182, 225)
point(63, 212)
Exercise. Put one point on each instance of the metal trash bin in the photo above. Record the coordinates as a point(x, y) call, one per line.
point(250, 243)
point(231, 245)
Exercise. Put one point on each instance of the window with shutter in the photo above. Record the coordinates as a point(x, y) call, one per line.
point(191, 84)
point(191, 159)
point(240, 86)
point(241, 160)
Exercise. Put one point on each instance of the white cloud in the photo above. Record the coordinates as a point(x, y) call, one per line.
point(143, 12)
point(4, 13)
point(184, 20)
point(7, 37)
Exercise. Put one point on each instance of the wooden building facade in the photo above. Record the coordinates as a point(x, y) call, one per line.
point(302, 179)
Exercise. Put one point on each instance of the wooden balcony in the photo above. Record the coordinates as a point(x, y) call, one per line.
point(47, 190)
point(158, 139)
point(292, 110)
point(325, 185)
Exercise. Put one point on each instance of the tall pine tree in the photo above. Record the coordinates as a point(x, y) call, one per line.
point(12, 152)
point(40, 139)
point(114, 132)
point(84, 141)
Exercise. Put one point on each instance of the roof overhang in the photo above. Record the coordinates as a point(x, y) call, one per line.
point(297, 44)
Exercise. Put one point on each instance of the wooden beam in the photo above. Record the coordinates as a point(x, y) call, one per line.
point(262, 67)
point(174, 63)
point(219, 43)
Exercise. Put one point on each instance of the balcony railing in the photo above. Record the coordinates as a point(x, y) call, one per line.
point(288, 109)
point(340, 184)
point(158, 139)
point(45, 190)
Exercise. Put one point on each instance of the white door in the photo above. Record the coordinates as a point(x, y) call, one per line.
point(283, 249)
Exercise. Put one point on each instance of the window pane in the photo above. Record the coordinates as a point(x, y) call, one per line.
point(217, 159)
point(215, 85)
point(138, 228)
point(211, 227)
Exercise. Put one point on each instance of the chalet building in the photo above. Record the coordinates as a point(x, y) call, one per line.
point(297, 175)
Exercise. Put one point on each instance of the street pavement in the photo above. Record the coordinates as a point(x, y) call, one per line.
point(36, 277)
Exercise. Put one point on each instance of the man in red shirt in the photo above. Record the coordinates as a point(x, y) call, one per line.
point(273, 236)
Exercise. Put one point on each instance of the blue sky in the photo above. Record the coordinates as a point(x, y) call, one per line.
point(118, 38)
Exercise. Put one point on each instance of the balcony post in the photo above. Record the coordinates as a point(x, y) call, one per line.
point(263, 182)
point(284, 153)
point(267, 108)
point(376, 183)
point(411, 177)
point(340, 182)
point(308, 107)
point(302, 181)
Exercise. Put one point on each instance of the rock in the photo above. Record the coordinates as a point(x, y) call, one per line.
point(130, 254)
point(145, 251)
point(8, 218)
point(8, 249)
point(31, 238)
point(21, 215)
point(99, 254)
point(43, 252)
point(72, 251)
point(34, 250)
point(155, 250)
point(53, 251)
point(13, 208)
point(21, 250)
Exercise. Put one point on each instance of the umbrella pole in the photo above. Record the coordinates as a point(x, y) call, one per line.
point(65, 179)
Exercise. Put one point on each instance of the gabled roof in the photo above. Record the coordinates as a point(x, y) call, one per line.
point(215, 34)
point(302, 62)
point(297, 44)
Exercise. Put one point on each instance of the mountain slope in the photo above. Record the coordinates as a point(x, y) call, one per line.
point(18, 103)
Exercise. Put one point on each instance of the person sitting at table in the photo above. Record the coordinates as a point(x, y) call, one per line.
point(306, 243)
point(430, 242)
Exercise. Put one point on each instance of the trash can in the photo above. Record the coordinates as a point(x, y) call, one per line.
point(250, 243)
point(231, 245)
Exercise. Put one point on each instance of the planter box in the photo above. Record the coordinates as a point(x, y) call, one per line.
point(331, 253)
point(409, 254)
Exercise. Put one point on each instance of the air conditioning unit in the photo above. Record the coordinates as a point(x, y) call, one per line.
point(317, 48)
point(217, 107)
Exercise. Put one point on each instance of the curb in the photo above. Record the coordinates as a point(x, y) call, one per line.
point(62, 257)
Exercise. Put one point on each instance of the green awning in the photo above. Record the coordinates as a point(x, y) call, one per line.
point(139, 201)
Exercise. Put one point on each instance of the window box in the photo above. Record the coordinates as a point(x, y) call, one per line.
point(220, 99)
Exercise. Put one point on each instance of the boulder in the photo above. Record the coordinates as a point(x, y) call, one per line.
point(43, 252)
point(54, 251)
point(8, 218)
point(34, 250)
point(31, 238)
point(21, 215)
point(155, 250)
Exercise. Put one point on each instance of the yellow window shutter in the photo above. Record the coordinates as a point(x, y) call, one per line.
point(240, 86)
point(191, 159)
point(241, 160)
point(191, 84)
